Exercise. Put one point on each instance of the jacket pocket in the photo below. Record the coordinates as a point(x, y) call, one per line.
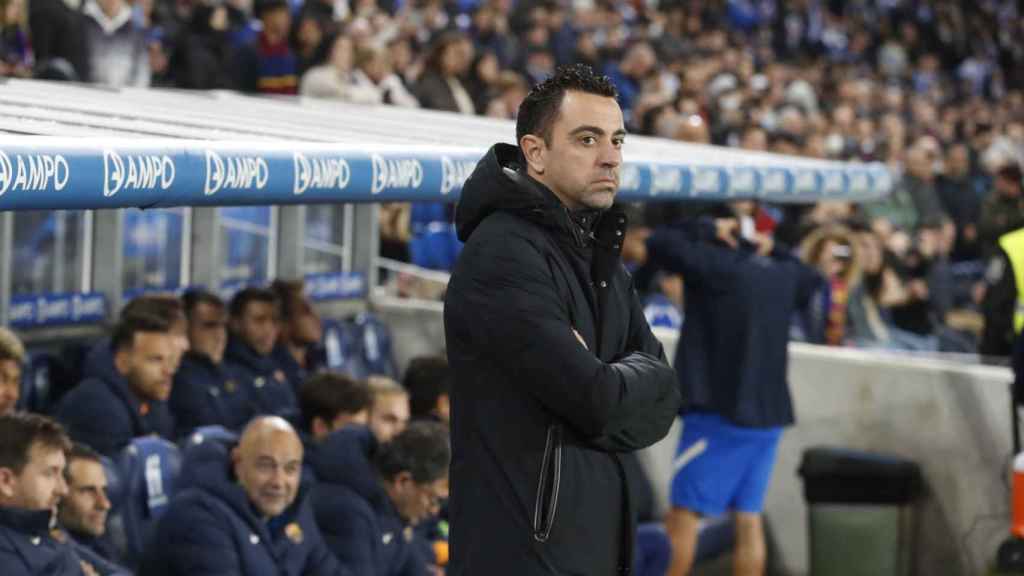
point(548, 485)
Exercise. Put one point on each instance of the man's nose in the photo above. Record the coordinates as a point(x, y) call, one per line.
point(611, 156)
point(62, 487)
point(103, 502)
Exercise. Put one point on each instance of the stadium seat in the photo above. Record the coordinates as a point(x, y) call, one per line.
point(377, 349)
point(190, 449)
point(344, 348)
point(149, 468)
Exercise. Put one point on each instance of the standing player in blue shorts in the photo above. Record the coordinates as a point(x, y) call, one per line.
point(731, 361)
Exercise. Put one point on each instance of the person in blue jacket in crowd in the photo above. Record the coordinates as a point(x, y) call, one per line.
point(107, 412)
point(368, 511)
point(741, 293)
point(255, 320)
point(83, 511)
point(32, 484)
point(246, 513)
point(298, 350)
point(207, 391)
point(99, 362)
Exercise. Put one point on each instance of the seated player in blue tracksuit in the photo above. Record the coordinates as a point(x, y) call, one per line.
point(298, 349)
point(82, 513)
point(246, 513)
point(106, 413)
point(367, 511)
point(741, 293)
point(99, 362)
point(207, 391)
point(32, 464)
point(254, 320)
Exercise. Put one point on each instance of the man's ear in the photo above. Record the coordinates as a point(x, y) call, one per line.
point(403, 480)
point(534, 152)
point(122, 360)
point(319, 428)
point(7, 481)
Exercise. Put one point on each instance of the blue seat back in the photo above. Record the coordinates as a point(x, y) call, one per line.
point(149, 468)
point(378, 354)
point(194, 444)
point(343, 346)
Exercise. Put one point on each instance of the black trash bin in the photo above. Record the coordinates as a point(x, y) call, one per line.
point(860, 511)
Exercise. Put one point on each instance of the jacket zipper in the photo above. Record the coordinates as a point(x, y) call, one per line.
point(544, 520)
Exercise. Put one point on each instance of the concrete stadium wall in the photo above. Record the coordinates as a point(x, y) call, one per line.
point(951, 417)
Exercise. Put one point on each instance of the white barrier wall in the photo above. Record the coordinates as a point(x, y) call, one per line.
point(952, 418)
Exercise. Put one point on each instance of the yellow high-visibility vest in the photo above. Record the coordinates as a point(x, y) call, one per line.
point(1013, 244)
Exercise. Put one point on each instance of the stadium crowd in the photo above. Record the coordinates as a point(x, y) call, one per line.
point(931, 88)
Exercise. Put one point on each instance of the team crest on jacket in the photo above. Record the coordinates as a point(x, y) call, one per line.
point(279, 376)
point(294, 532)
point(230, 386)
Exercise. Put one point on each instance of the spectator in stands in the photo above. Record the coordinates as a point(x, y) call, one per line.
point(428, 380)
point(1003, 209)
point(389, 409)
point(15, 48)
point(375, 71)
point(247, 514)
point(254, 319)
point(544, 365)
point(308, 34)
point(440, 86)
point(738, 394)
point(833, 250)
point(509, 91)
point(331, 401)
point(636, 66)
point(207, 391)
point(106, 412)
point(12, 358)
point(32, 483)
point(367, 524)
point(267, 65)
point(332, 75)
point(58, 41)
point(961, 199)
point(83, 511)
point(300, 333)
point(116, 44)
point(203, 54)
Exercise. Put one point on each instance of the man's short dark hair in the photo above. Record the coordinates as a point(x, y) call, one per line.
point(80, 451)
point(427, 378)
point(328, 394)
point(20, 430)
point(129, 326)
point(287, 291)
point(241, 300)
point(191, 300)
point(422, 449)
point(1010, 171)
point(160, 305)
point(540, 108)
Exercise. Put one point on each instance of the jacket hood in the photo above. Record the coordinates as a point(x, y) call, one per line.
point(99, 361)
point(500, 183)
point(344, 457)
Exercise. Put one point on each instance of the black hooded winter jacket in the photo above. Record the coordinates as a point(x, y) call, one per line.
point(539, 419)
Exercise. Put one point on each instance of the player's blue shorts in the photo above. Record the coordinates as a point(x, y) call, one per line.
point(720, 466)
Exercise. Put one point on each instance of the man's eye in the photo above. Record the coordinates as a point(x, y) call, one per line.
point(618, 142)
point(588, 140)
